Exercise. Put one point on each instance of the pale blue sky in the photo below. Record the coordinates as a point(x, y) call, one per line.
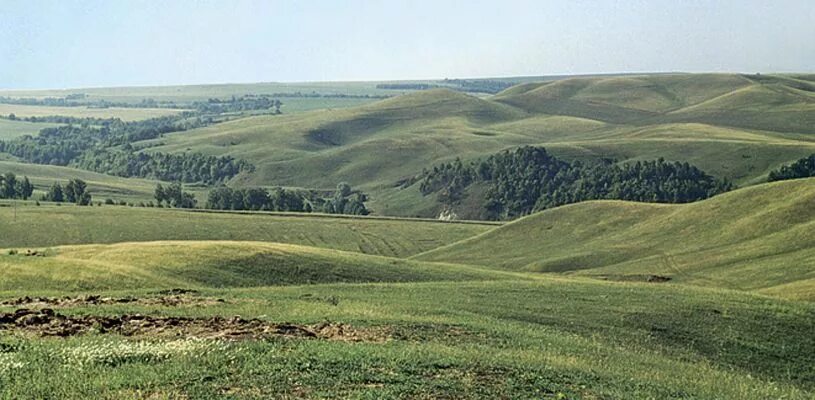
point(63, 43)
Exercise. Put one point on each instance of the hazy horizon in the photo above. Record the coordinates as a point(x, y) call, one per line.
point(82, 44)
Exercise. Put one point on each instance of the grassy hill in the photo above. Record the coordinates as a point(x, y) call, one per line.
point(733, 126)
point(214, 264)
point(50, 225)
point(756, 239)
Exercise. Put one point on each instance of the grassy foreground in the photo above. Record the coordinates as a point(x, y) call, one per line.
point(526, 338)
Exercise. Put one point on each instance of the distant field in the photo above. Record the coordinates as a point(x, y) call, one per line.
point(203, 92)
point(757, 239)
point(126, 114)
point(50, 225)
point(13, 129)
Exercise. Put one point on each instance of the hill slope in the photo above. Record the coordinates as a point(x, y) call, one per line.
point(733, 126)
point(759, 239)
point(54, 226)
point(213, 264)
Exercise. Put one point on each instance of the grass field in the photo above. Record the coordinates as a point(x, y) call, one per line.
point(14, 129)
point(50, 225)
point(486, 334)
point(214, 264)
point(125, 114)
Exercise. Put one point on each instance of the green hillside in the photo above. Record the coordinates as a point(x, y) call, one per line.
point(732, 126)
point(214, 264)
point(50, 225)
point(757, 239)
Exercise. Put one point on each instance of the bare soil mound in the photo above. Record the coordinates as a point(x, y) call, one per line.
point(46, 322)
point(172, 300)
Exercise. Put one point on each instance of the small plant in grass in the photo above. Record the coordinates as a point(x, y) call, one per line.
point(113, 353)
point(9, 361)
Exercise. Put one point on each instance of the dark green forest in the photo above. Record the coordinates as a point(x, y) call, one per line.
point(530, 179)
point(105, 146)
point(803, 168)
point(343, 201)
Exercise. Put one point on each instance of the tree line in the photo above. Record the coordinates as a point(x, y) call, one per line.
point(237, 104)
point(802, 168)
point(105, 146)
point(75, 191)
point(13, 188)
point(182, 167)
point(529, 179)
point(343, 201)
point(462, 85)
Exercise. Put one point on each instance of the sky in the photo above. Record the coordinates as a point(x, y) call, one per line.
point(90, 43)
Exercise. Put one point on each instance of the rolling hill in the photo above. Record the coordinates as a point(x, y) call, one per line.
point(50, 225)
point(733, 126)
point(214, 264)
point(758, 239)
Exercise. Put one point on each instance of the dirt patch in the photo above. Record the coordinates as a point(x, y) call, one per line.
point(636, 278)
point(46, 322)
point(171, 300)
point(657, 279)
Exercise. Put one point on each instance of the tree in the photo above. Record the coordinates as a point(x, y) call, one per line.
point(24, 188)
point(8, 190)
point(75, 192)
point(176, 197)
point(55, 193)
point(85, 199)
point(343, 189)
point(159, 194)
